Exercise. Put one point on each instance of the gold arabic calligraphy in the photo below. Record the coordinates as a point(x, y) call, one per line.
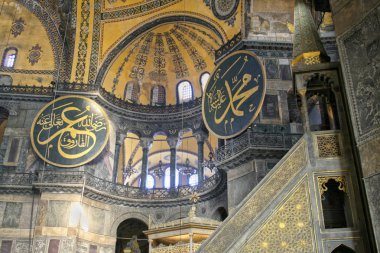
point(72, 128)
point(221, 100)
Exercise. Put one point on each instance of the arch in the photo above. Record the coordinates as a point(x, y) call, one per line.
point(140, 30)
point(131, 91)
point(9, 57)
point(158, 95)
point(203, 79)
point(51, 29)
point(220, 214)
point(343, 249)
point(132, 228)
point(126, 216)
point(185, 91)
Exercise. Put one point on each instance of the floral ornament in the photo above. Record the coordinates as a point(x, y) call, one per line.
point(35, 54)
point(17, 27)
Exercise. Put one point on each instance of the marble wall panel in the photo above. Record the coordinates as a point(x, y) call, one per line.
point(360, 54)
point(39, 245)
point(67, 245)
point(58, 213)
point(372, 188)
point(2, 210)
point(21, 247)
point(96, 220)
point(25, 218)
point(11, 218)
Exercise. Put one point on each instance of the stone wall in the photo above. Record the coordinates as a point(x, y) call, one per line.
point(357, 23)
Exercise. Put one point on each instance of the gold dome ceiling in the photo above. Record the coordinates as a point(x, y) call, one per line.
point(165, 55)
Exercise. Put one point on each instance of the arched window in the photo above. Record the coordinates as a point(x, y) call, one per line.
point(9, 58)
point(184, 92)
point(193, 180)
point(204, 78)
point(167, 178)
point(150, 182)
point(131, 91)
point(158, 96)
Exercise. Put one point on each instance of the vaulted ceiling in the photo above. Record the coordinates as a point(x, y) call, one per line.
point(164, 55)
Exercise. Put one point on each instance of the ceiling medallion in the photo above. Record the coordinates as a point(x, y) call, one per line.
point(224, 9)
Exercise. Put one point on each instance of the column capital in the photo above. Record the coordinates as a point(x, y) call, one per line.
point(120, 137)
point(173, 142)
point(201, 136)
point(302, 91)
point(146, 142)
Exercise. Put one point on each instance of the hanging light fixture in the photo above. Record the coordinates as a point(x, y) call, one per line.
point(187, 169)
point(210, 164)
point(159, 171)
point(129, 170)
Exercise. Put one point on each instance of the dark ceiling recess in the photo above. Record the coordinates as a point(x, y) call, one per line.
point(322, 5)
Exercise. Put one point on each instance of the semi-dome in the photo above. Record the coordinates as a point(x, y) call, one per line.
point(164, 65)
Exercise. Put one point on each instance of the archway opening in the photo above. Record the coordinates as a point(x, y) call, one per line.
point(130, 236)
point(220, 214)
point(343, 249)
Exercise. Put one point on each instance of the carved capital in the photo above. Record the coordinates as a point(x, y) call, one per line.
point(173, 142)
point(200, 136)
point(146, 142)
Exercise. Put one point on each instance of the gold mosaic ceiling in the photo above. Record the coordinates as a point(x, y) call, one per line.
point(164, 55)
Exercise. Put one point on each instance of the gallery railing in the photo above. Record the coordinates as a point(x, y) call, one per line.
point(58, 179)
point(252, 140)
point(26, 90)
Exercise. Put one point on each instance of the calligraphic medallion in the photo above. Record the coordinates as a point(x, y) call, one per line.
point(234, 94)
point(70, 131)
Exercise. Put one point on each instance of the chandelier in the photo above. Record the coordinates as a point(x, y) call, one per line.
point(129, 170)
point(210, 163)
point(187, 169)
point(159, 171)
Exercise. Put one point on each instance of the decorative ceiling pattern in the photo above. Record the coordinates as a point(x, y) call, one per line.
point(164, 55)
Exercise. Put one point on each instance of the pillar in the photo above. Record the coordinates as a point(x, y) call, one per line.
point(304, 113)
point(150, 245)
point(173, 144)
point(191, 242)
point(119, 142)
point(201, 137)
point(145, 145)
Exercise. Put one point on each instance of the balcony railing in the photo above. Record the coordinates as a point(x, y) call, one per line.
point(59, 180)
point(256, 140)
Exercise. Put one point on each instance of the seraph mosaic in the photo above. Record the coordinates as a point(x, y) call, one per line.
point(70, 131)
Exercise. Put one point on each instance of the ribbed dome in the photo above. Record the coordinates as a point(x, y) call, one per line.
point(166, 55)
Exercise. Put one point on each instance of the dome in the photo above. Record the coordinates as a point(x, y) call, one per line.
point(150, 69)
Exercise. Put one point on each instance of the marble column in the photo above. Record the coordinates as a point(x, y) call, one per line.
point(201, 137)
point(191, 242)
point(304, 113)
point(145, 145)
point(119, 142)
point(150, 245)
point(173, 144)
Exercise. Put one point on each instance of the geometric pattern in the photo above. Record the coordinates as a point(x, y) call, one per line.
point(328, 146)
point(289, 229)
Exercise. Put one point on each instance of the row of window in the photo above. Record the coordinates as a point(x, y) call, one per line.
point(185, 91)
point(151, 180)
point(9, 57)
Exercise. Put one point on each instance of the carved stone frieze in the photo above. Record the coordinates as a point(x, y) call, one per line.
point(360, 55)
